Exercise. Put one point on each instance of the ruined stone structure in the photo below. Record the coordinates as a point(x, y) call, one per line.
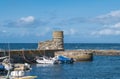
point(50, 48)
point(56, 43)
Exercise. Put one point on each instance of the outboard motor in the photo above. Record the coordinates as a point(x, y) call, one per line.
point(72, 60)
point(2, 69)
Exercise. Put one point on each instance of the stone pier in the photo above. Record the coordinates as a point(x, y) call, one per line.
point(78, 55)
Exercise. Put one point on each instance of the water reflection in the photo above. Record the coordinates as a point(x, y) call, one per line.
point(103, 67)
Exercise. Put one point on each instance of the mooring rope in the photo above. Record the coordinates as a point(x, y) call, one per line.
point(25, 58)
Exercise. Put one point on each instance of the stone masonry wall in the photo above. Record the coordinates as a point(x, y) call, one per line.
point(55, 44)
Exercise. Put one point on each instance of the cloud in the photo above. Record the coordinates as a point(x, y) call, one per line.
point(4, 31)
point(104, 32)
point(27, 26)
point(108, 30)
point(25, 22)
point(27, 19)
point(110, 24)
point(71, 21)
point(111, 14)
point(30, 21)
point(46, 30)
point(116, 26)
point(109, 18)
point(70, 31)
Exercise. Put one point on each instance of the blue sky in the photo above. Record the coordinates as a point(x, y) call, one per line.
point(83, 21)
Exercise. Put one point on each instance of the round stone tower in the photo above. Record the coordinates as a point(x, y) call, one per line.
point(58, 39)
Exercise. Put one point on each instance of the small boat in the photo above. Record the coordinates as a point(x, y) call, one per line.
point(63, 59)
point(2, 58)
point(17, 74)
point(55, 60)
point(8, 66)
point(2, 70)
point(45, 60)
point(23, 67)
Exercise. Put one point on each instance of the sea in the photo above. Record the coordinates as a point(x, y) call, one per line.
point(102, 67)
point(67, 46)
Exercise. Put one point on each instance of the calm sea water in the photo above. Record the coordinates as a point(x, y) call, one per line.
point(102, 67)
point(69, 46)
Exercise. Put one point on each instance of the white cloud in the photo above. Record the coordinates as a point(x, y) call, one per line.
point(111, 23)
point(70, 31)
point(108, 30)
point(109, 18)
point(4, 31)
point(26, 22)
point(103, 32)
point(111, 14)
point(28, 19)
point(116, 26)
point(44, 31)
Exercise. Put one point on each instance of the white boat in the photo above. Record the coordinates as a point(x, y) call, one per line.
point(20, 75)
point(17, 73)
point(45, 60)
point(55, 60)
point(23, 67)
point(8, 66)
point(3, 57)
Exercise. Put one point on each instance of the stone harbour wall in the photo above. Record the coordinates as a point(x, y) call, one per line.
point(105, 52)
point(22, 56)
point(78, 55)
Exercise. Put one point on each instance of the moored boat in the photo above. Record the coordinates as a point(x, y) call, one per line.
point(55, 60)
point(64, 60)
point(2, 70)
point(45, 60)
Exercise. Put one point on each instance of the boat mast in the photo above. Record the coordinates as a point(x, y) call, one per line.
point(8, 74)
point(9, 52)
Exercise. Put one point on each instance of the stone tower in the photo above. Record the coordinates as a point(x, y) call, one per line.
point(58, 39)
point(57, 42)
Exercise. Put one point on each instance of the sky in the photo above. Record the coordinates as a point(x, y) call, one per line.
point(83, 21)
